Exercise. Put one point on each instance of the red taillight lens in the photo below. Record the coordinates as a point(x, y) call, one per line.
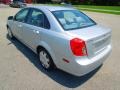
point(78, 47)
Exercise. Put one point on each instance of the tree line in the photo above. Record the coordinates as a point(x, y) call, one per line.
point(85, 2)
point(96, 2)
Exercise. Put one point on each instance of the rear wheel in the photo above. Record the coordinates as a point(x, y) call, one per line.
point(46, 59)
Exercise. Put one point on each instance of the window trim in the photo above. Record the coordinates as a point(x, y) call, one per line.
point(30, 13)
point(26, 17)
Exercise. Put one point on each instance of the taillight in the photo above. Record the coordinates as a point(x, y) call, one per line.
point(78, 47)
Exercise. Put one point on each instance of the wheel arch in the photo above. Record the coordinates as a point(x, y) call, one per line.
point(45, 46)
point(7, 26)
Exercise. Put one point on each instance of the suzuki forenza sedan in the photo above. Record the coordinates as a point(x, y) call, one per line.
point(62, 37)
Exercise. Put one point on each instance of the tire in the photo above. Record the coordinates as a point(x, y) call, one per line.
point(10, 34)
point(45, 59)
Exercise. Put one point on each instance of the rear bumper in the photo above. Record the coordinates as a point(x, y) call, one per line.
point(86, 65)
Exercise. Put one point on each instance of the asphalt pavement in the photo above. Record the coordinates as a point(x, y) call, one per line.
point(20, 68)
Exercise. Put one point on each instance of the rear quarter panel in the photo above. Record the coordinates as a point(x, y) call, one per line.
point(57, 44)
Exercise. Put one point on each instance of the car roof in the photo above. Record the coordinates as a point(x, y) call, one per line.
point(52, 8)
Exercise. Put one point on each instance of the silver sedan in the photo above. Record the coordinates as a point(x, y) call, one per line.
point(62, 37)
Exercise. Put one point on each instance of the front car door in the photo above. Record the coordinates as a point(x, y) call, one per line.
point(19, 20)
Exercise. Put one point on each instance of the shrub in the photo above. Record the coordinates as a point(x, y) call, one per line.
point(95, 2)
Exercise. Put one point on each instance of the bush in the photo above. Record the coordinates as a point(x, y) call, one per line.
point(42, 1)
point(94, 2)
point(106, 2)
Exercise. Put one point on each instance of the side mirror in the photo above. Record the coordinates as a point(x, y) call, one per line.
point(10, 18)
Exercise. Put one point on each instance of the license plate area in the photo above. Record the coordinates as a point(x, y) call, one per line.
point(101, 43)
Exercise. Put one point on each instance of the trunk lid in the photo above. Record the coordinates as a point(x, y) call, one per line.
point(97, 38)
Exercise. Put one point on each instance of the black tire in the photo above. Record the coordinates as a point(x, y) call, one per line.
point(42, 59)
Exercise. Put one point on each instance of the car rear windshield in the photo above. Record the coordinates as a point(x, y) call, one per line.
point(72, 19)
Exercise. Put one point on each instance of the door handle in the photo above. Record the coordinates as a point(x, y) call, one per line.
point(36, 31)
point(20, 26)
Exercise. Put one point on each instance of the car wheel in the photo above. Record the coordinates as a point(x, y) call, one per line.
point(10, 33)
point(46, 59)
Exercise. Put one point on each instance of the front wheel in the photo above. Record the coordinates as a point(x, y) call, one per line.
point(10, 33)
point(46, 59)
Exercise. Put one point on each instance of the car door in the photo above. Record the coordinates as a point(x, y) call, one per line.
point(19, 20)
point(36, 22)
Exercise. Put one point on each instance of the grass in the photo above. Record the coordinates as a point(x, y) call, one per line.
point(101, 9)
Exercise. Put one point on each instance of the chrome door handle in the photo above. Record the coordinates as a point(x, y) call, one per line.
point(36, 31)
point(20, 26)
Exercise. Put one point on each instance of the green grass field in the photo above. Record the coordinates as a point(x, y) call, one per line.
point(102, 9)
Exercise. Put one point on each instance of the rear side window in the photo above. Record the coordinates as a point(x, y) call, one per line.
point(21, 16)
point(38, 18)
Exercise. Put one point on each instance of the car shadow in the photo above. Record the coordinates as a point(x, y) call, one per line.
point(57, 75)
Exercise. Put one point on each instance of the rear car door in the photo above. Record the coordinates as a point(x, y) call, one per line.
point(19, 21)
point(36, 22)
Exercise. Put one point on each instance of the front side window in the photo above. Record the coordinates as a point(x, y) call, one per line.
point(72, 19)
point(21, 16)
point(37, 18)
